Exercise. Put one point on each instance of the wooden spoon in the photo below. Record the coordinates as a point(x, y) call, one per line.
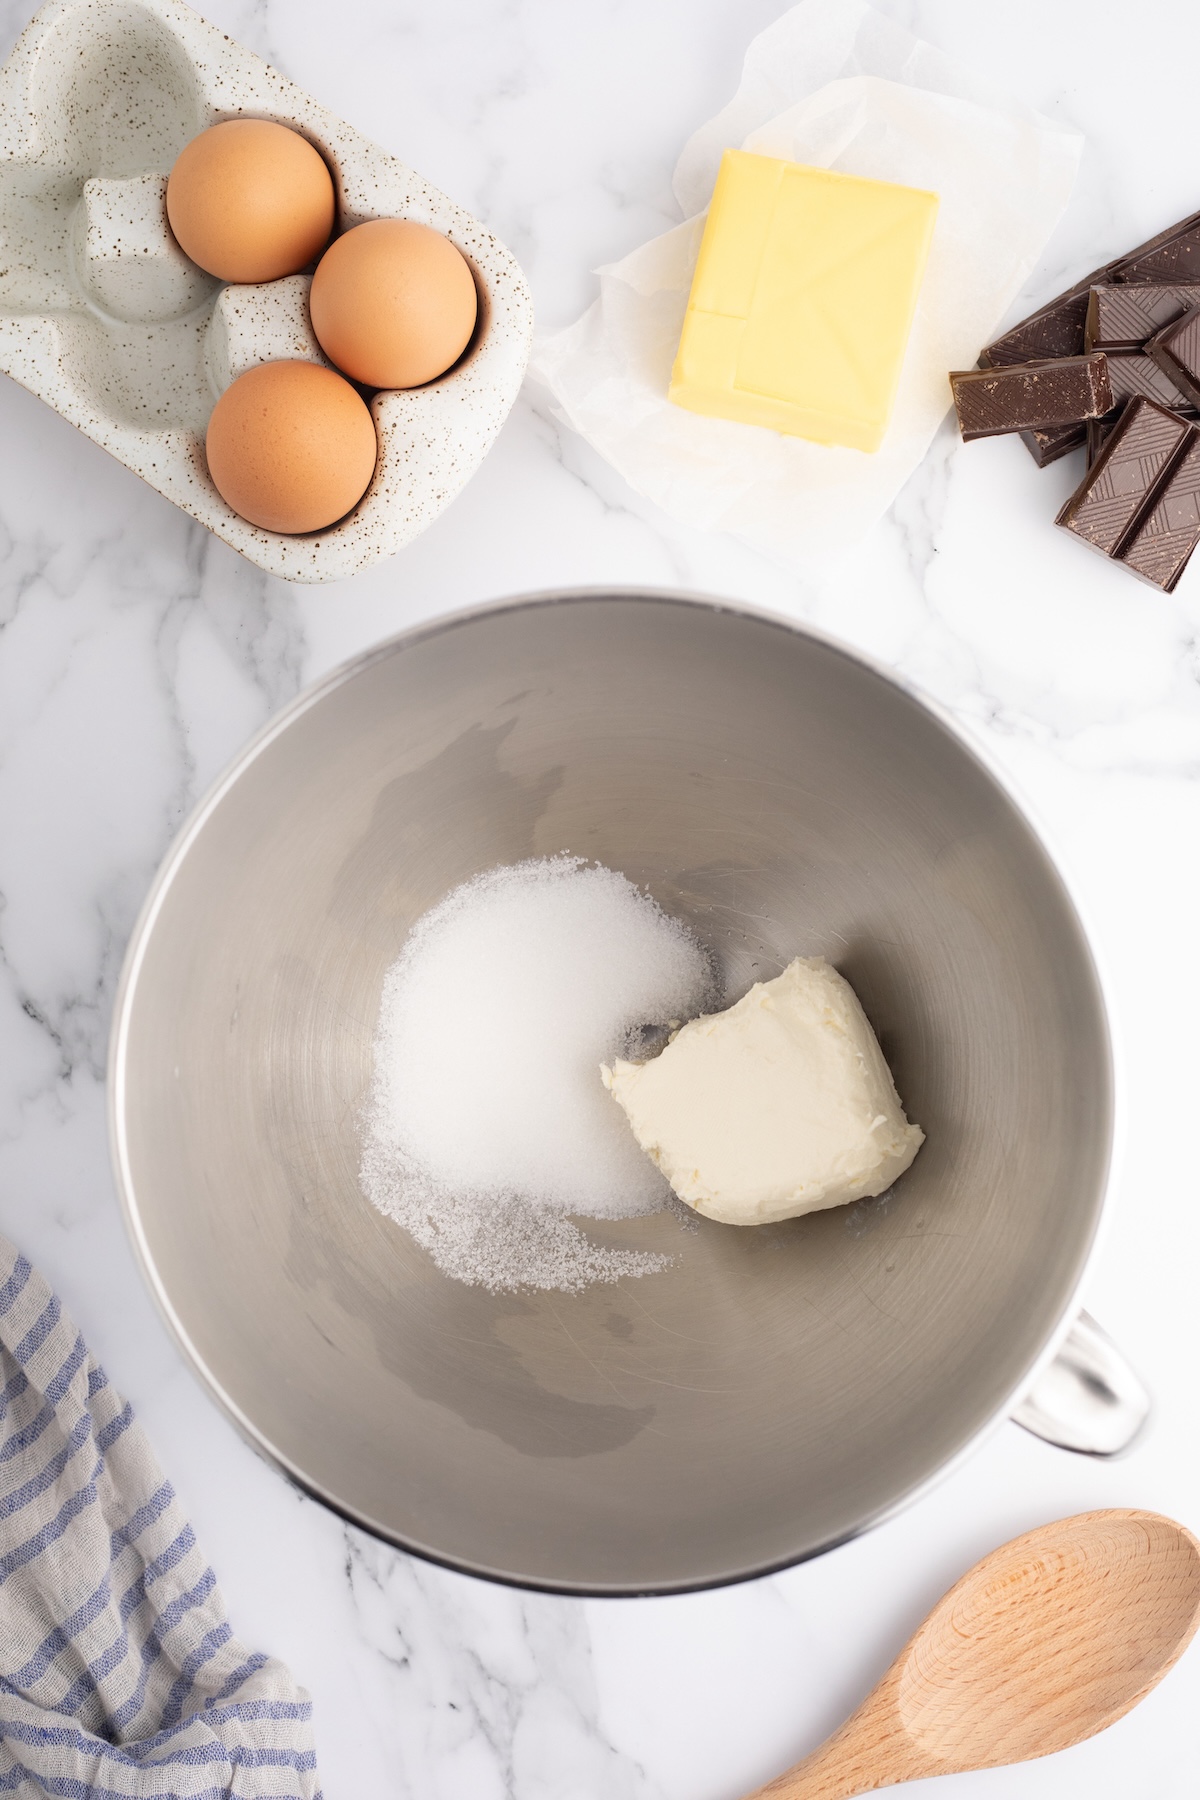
point(1042, 1644)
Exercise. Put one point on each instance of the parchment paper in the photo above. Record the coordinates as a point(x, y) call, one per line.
point(833, 84)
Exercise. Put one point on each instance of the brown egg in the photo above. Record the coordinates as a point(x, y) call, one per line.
point(250, 201)
point(393, 303)
point(291, 446)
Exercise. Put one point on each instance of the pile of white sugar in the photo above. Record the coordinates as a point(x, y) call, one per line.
point(487, 1123)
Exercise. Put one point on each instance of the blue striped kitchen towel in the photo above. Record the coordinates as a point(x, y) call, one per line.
point(119, 1676)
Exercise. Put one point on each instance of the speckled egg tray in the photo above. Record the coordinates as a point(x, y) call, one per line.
point(103, 316)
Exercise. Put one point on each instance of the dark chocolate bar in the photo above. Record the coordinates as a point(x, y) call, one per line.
point(1176, 351)
point(1122, 316)
point(1123, 485)
point(1132, 375)
point(1159, 549)
point(1139, 502)
point(1034, 395)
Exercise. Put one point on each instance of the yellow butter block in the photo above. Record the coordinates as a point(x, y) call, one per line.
point(803, 299)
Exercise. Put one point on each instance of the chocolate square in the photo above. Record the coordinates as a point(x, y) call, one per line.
point(1132, 375)
point(1122, 316)
point(1122, 485)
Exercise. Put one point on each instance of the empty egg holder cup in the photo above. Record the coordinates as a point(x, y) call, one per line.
point(103, 316)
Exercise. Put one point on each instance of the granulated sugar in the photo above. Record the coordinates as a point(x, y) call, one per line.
point(487, 1123)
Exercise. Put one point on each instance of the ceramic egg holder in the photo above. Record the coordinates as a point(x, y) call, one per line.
point(103, 316)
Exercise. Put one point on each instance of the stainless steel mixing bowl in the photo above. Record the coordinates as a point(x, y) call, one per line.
point(779, 1388)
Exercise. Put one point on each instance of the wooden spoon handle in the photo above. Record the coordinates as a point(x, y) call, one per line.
point(871, 1750)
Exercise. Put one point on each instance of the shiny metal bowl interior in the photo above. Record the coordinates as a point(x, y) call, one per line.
point(778, 1389)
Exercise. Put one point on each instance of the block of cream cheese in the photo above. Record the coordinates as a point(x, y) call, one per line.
point(802, 300)
point(781, 1105)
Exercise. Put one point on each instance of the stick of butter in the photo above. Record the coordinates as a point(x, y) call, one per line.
point(803, 299)
point(781, 1105)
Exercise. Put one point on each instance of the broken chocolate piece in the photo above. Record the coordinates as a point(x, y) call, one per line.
point(1133, 374)
point(1169, 530)
point(1172, 255)
point(1055, 329)
point(1123, 484)
point(1047, 446)
point(1034, 395)
point(1123, 317)
point(1176, 351)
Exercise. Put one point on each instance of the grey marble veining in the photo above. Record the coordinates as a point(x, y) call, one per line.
point(137, 654)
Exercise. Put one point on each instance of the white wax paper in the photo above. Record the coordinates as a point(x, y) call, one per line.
point(833, 84)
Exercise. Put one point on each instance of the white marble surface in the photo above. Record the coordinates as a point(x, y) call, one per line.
point(137, 653)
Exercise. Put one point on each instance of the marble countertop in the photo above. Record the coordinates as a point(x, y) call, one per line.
point(137, 654)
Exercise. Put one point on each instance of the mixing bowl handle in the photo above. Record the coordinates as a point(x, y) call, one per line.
point(1088, 1399)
